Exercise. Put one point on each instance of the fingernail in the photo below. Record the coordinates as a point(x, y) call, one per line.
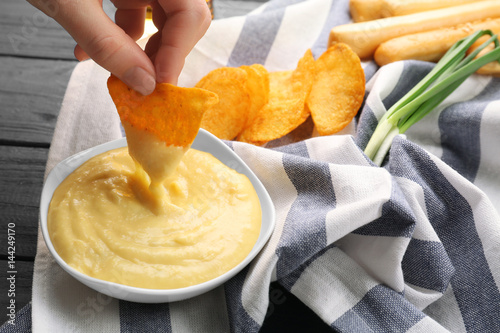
point(139, 80)
point(167, 78)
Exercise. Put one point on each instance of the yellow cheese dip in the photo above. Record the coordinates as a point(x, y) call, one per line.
point(102, 221)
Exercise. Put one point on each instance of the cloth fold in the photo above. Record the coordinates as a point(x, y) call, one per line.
point(413, 246)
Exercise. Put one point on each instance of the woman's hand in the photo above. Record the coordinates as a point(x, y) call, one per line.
point(180, 23)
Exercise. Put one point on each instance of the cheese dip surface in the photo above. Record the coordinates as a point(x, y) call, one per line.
point(109, 221)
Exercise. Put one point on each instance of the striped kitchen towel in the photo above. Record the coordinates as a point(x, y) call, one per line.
point(413, 246)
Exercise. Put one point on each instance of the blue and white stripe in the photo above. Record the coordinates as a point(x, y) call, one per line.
point(410, 247)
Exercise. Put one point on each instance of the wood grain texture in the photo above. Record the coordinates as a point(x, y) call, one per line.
point(22, 286)
point(30, 98)
point(36, 61)
point(21, 180)
point(27, 32)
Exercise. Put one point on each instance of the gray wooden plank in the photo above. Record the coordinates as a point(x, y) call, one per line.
point(19, 290)
point(26, 31)
point(31, 94)
point(24, 220)
point(31, 91)
point(29, 32)
point(21, 180)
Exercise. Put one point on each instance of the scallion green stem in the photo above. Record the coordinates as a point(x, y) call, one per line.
point(448, 74)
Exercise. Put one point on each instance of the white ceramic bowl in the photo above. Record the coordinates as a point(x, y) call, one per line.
point(204, 142)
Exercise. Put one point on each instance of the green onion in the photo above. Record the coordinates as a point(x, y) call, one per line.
point(448, 74)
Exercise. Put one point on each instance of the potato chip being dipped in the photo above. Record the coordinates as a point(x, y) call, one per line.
point(160, 127)
point(285, 110)
point(227, 118)
point(338, 89)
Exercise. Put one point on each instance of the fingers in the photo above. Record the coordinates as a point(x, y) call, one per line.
point(131, 21)
point(102, 40)
point(183, 23)
point(130, 16)
point(80, 54)
point(152, 45)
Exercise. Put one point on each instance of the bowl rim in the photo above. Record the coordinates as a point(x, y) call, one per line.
point(204, 141)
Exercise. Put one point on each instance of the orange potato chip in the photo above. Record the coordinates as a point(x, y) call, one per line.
point(338, 89)
point(173, 114)
point(286, 109)
point(258, 88)
point(301, 133)
point(226, 119)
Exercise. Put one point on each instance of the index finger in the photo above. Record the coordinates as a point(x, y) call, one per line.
point(108, 44)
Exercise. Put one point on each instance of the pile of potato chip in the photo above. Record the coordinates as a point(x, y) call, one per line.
point(257, 106)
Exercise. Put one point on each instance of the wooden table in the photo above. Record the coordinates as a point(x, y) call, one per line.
point(36, 61)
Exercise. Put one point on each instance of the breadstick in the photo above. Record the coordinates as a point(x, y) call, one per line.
point(493, 68)
point(365, 37)
point(429, 45)
point(367, 10)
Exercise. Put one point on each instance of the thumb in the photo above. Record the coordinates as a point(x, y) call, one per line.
point(107, 44)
